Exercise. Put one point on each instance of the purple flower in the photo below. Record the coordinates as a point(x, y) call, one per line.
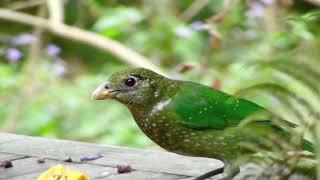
point(91, 157)
point(183, 32)
point(268, 2)
point(24, 39)
point(59, 68)
point(53, 50)
point(256, 10)
point(13, 55)
point(198, 26)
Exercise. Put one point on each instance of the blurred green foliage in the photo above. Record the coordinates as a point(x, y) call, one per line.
point(51, 97)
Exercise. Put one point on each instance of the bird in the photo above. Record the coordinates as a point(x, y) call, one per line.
point(191, 119)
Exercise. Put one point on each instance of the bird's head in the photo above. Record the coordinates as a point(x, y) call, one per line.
point(133, 86)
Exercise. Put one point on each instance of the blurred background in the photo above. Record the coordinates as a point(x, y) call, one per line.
point(54, 53)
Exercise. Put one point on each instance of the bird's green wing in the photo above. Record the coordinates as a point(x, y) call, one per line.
point(199, 106)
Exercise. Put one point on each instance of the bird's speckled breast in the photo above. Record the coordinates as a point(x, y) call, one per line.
point(161, 125)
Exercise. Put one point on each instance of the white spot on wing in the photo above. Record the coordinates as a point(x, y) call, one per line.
point(159, 106)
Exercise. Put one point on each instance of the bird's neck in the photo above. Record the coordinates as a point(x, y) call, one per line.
point(160, 98)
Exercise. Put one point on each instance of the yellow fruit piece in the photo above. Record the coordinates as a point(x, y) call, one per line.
point(59, 173)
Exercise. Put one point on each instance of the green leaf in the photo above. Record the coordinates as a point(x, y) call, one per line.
point(117, 20)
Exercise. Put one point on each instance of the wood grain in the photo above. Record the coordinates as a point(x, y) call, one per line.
point(25, 150)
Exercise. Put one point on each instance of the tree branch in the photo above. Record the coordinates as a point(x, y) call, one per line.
point(115, 48)
point(314, 2)
point(25, 4)
point(56, 11)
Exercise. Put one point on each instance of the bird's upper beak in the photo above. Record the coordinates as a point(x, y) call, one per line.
point(102, 92)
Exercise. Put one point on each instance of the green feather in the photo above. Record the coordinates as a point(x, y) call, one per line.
point(199, 106)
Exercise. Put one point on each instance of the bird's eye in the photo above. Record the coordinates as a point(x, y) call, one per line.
point(130, 81)
point(106, 86)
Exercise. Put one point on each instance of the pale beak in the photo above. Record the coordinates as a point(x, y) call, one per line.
point(102, 92)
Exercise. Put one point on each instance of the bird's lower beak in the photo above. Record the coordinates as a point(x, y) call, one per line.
point(101, 93)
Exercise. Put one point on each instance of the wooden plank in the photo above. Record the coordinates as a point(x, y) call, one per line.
point(10, 157)
point(26, 169)
point(129, 176)
point(7, 138)
point(137, 175)
point(139, 159)
point(24, 150)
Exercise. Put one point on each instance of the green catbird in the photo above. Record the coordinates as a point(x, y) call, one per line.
point(191, 119)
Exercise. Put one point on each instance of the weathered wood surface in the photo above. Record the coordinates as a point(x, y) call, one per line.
point(24, 151)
